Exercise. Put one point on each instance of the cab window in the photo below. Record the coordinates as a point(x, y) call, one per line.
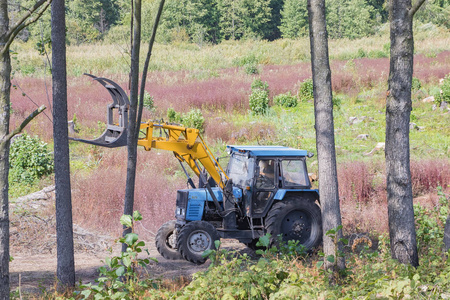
point(294, 173)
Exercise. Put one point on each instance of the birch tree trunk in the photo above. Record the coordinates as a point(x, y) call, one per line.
point(398, 109)
point(324, 125)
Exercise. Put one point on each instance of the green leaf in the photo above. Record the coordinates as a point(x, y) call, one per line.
point(137, 215)
point(217, 244)
point(264, 240)
point(126, 261)
point(86, 293)
point(319, 264)
point(126, 220)
point(120, 271)
point(131, 238)
point(330, 258)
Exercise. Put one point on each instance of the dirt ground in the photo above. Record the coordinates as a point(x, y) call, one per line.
point(33, 248)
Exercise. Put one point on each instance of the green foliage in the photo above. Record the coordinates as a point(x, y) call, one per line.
point(259, 98)
point(148, 102)
point(305, 92)
point(415, 84)
point(294, 21)
point(30, 159)
point(258, 84)
point(349, 18)
point(251, 69)
point(192, 119)
point(285, 100)
point(444, 93)
point(121, 277)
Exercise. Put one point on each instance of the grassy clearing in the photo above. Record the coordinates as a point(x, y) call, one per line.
point(105, 59)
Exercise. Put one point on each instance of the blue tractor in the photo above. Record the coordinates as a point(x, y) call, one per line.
point(264, 189)
point(268, 191)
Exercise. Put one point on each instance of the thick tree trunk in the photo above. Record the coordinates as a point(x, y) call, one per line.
point(133, 126)
point(323, 109)
point(398, 108)
point(447, 234)
point(5, 86)
point(64, 226)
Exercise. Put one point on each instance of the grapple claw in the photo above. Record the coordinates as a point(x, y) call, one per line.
point(115, 135)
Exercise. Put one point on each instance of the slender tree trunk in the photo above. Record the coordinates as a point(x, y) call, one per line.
point(398, 109)
point(133, 127)
point(64, 226)
point(323, 109)
point(5, 86)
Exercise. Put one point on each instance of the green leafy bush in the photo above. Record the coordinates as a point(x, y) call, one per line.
point(285, 100)
point(173, 116)
point(259, 102)
point(444, 94)
point(251, 69)
point(259, 84)
point(194, 119)
point(416, 85)
point(120, 278)
point(259, 98)
point(148, 102)
point(305, 92)
point(30, 159)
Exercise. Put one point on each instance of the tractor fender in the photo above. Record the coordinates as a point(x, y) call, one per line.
point(281, 193)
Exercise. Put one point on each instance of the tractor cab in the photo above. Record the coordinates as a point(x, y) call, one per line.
point(265, 174)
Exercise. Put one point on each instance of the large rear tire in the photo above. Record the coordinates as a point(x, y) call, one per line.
point(295, 218)
point(195, 238)
point(166, 241)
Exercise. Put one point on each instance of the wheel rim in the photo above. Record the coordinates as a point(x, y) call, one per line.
point(296, 225)
point(199, 241)
point(171, 241)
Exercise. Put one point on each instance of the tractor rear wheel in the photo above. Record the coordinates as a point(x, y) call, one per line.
point(195, 238)
point(166, 241)
point(295, 218)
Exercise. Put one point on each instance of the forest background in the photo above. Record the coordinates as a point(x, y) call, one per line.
point(240, 72)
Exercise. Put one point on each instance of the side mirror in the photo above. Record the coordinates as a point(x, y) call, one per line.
point(310, 154)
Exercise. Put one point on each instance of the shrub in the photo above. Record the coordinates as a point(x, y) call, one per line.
point(173, 116)
point(193, 119)
point(30, 159)
point(251, 69)
point(259, 98)
point(415, 84)
point(285, 100)
point(149, 102)
point(259, 102)
point(305, 92)
point(261, 85)
point(444, 93)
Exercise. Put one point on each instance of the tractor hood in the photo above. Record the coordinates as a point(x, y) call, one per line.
point(203, 194)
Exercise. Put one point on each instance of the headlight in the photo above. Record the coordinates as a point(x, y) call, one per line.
point(180, 211)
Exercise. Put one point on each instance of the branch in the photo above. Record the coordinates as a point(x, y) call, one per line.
point(24, 22)
point(24, 124)
point(415, 7)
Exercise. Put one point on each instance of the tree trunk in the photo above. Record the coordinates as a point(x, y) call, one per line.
point(5, 86)
point(64, 226)
point(447, 234)
point(398, 109)
point(133, 127)
point(324, 125)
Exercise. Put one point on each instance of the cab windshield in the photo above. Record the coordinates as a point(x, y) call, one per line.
point(240, 169)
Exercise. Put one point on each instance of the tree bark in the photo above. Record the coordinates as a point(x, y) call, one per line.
point(398, 109)
point(447, 234)
point(5, 86)
point(133, 126)
point(64, 226)
point(324, 125)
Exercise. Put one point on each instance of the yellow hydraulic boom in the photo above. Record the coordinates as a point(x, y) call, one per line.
point(186, 144)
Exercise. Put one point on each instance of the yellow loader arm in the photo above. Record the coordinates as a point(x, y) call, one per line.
point(186, 144)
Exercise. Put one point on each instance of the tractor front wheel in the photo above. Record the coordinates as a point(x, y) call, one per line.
point(295, 218)
point(166, 241)
point(195, 238)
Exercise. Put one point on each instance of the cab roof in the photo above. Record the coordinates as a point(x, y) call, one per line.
point(279, 151)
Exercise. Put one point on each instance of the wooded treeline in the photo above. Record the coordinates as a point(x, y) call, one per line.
point(213, 21)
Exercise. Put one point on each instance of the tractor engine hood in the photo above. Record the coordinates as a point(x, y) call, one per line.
point(203, 194)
